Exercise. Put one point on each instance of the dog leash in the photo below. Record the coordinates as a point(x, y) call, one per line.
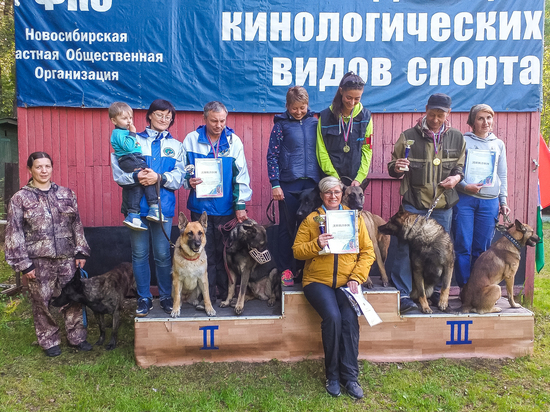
point(84, 275)
point(157, 186)
point(431, 209)
point(226, 228)
point(504, 230)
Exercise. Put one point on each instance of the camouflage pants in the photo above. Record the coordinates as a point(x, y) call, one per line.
point(51, 276)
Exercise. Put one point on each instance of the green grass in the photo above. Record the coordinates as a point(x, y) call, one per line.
point(110, 381)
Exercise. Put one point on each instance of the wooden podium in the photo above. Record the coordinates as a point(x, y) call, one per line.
point(291, 331)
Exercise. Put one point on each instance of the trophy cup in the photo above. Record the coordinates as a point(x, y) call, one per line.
point(321, 220)
point(190, 170)
point(408, 145)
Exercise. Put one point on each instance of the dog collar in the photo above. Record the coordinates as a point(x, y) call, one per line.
point(511, 239)
point(186, 258)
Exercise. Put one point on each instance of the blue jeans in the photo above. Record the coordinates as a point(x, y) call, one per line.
point(139, 241)
point(339, 329)
point(401, 273)
point(474, 222)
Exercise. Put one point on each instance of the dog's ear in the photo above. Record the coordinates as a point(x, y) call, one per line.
point(401, 210)
point(296, 194)
point(204, 220)
point(182, 221)
point(364, 184)
point(519, 226)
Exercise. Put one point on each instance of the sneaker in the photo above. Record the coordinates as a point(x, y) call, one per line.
point(333, 387)
point(83, 346)
point(166, 305)
point(287, 278)
point(354, 390)
point(153, 214)
point(134, 222)
point(144, 305)
point(406, 305)
point(53, 351)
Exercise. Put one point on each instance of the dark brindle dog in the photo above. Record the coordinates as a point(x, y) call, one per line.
point(431, 253)
point(499, 262)
point(354, 198)
point(104, 294)
point(261, 279)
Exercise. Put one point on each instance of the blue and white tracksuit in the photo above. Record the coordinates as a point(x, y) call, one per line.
point(236, 191)
point(164, 155)
point(236, 181)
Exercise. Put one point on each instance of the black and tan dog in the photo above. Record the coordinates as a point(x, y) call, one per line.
point(189, 267)
point(104, 294)
point(431, 253)
point(354, 198)
point(261, 279)
point(499, 262)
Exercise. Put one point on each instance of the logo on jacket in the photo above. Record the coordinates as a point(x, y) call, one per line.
point(169, 152)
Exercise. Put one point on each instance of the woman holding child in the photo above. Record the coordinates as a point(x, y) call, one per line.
point(164, 157)
point(324, 275)
point(292, 166)
point(45, 241)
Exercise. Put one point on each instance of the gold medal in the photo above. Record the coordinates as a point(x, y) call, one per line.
point(437, 161)
point(346, 148)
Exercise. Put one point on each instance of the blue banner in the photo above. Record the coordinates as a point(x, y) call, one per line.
point(89, 53)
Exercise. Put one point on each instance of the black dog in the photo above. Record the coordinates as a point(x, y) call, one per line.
point(246, 240)
point(310, 200)
point(103, 294)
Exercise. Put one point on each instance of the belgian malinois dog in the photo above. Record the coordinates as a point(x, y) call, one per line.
point(499, 262)
point(431, 253)
point(189, 267)
point(354, 198)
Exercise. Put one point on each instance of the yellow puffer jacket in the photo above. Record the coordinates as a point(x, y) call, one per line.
point(330, 269)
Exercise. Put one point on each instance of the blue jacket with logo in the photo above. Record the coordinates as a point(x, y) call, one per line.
point(164, 155)
point(236, 181)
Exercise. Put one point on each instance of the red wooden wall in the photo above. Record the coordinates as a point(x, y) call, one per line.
point(78, 141)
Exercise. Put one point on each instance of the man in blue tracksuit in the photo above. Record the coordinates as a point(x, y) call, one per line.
point(214, 140)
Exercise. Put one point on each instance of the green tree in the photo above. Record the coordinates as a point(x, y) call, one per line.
point(7, 60)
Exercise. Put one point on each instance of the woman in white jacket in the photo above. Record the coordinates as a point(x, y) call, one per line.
point(476, 213)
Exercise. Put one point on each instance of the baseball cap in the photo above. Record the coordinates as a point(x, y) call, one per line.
point(439, 101)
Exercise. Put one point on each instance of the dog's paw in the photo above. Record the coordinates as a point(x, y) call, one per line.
point(271, 302)
point(427, 310)
point(515, 306)
point(110, 346)
point(224, 304)
point(443, 306)
point(239, 310)
point(211, 312)
point(368, 284)
point(175, 313)
point(99, 342)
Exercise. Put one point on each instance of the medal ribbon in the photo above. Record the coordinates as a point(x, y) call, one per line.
point(350, 125)
point(216, 151)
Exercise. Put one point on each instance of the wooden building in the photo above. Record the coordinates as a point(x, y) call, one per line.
point(78, 141)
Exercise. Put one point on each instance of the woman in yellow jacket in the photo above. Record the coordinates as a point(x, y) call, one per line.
point(323, 276)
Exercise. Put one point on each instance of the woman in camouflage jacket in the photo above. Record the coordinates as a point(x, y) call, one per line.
point(45, 241)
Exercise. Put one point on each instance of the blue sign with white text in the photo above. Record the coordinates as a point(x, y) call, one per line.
point(89, 53)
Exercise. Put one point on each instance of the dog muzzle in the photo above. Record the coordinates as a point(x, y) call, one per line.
point(260, 257)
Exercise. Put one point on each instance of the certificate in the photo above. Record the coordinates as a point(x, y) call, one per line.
point(210, 171)
point(364, 306)
point(481, 166)
point(342, 225)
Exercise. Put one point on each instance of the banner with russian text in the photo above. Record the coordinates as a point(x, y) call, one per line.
point(89, 53)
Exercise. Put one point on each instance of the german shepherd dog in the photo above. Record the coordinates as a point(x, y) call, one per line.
point(431, 252)
point(499, 262)
point(260, 279)
point(310, 200)
point(104, 294)
point(189, 266)
point(354, 198)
